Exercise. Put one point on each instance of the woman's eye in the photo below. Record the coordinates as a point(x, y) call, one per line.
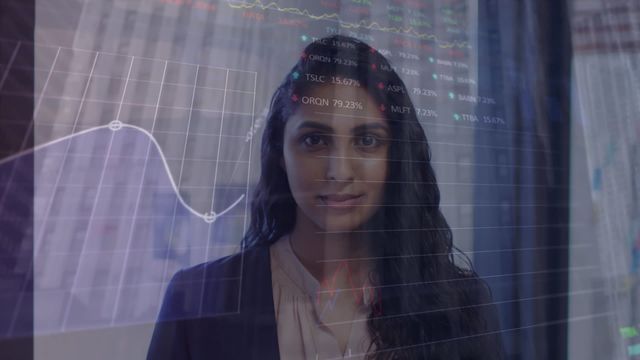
point(368, 141)
point(313, 140)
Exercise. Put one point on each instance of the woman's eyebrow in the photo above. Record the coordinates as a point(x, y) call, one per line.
point(315, 125)
point(369, 127)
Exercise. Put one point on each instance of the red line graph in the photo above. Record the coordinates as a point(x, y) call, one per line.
point(360, 292)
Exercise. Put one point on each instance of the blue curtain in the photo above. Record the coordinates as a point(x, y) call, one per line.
point(522, 172)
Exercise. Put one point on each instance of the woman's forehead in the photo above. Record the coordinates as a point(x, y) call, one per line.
point(337, 106)
point(330, 90)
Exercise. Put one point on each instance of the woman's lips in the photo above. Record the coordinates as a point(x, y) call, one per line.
point(340, 201)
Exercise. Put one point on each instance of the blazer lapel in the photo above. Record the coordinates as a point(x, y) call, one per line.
point(256, 306)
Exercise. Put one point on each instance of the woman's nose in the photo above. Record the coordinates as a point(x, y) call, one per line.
point(340, 165)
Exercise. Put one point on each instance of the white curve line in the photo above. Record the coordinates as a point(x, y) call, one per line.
point(116, 125)
point(53, 142)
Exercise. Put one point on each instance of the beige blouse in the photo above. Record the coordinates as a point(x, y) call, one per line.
point(301, 334)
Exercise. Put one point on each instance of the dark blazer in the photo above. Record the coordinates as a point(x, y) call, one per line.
point(224, 310)
point(219, 310)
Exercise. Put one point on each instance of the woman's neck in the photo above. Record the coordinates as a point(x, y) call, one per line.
point(324, 254)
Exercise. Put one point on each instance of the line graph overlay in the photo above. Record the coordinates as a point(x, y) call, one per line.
point(207, 217)
point(362, 24)
point(107, 185)
point(94, 266)
point(147, 101)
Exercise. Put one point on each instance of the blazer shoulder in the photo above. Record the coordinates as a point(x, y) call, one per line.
point(210, 288)
point(201, 313)
point(225, 267)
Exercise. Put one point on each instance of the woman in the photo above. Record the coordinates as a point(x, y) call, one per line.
point(347, 254)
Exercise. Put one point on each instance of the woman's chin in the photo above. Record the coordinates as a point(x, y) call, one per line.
point(344, 224)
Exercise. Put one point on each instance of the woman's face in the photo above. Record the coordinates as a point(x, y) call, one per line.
point(335, 155)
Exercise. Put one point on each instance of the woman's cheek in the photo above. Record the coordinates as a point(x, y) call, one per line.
point(312, 173)
point(376, 174)
point(375, 169)
point(306, 175)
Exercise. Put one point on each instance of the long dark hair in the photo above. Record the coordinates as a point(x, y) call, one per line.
point(429, 304)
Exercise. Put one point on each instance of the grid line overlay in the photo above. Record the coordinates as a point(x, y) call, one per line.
point(107, 129)
point(159, 133)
